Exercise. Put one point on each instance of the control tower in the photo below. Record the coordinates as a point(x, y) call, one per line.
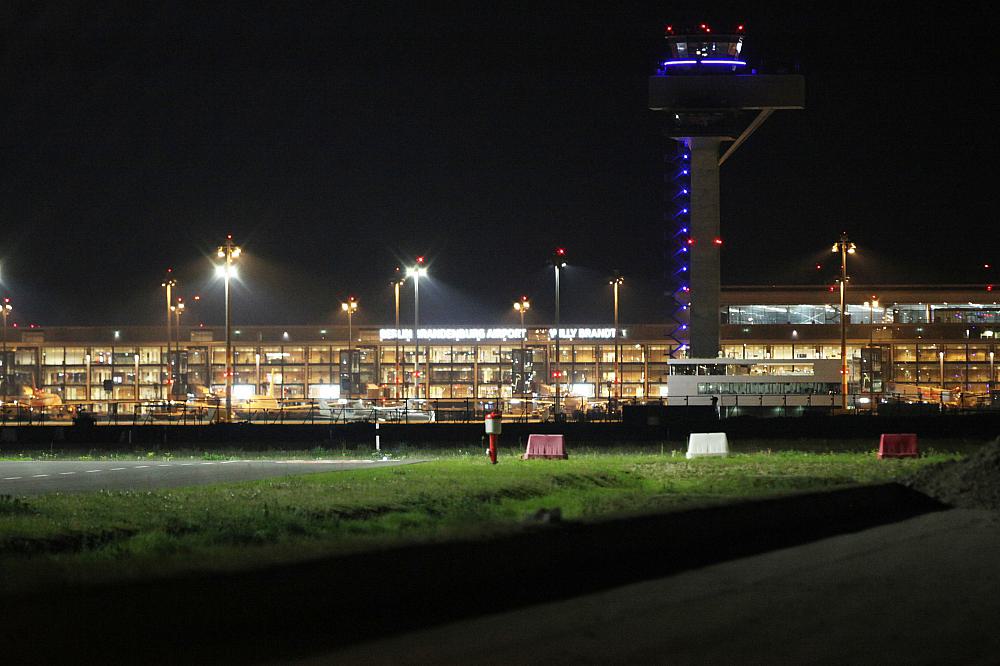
point(708, 99)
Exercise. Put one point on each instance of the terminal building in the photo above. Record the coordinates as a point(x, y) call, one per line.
point(914, 341)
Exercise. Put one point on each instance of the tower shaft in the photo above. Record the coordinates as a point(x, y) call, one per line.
point(705, 268)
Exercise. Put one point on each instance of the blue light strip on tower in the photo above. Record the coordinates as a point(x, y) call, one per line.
point(674, 63)
point(677, 240)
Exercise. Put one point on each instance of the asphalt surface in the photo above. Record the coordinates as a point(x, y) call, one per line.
point(72, 476)
point(921, 591)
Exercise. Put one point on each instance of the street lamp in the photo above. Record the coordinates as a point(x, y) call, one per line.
point(845, 247)
point(616, 282)
point(558, 262)
point(5, 310)
point(229, 253)
point(398, 281)
point(168, 284)
point(941, 371)
point(521, 307)
point(350, 307)
point(992, 376)
point(416, 272)
point(177, 311)
point(872, 303)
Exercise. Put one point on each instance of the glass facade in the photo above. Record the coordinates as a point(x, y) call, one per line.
point(459, 371)
point(922, 346)
point(918, 313)
point(438, 371)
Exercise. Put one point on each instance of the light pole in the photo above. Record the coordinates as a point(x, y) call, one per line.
point(5, 310)
point(992, 377)
point(416, 272)
point(521, 307)
point(872, 304)
point(845, 247)
point(177, 311)
point(941, 370)
point(616, 282)
point(397, 282)
point(558, 262)
point(229, 252)
point(168, 284)
point(350, 307)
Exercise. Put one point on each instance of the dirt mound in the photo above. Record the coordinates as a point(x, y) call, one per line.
point(973, 483)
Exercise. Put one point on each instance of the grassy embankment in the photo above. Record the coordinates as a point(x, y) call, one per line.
point(112, 535)
point(423, 450)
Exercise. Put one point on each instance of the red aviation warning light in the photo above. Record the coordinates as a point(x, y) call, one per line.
point(559, 257)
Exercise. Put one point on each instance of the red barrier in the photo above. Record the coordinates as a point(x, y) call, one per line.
point(898, 446)
point(545, 446)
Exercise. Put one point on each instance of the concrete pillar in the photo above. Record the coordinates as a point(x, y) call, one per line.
point(705, 280)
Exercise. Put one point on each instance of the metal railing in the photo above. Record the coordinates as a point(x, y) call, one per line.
point(468, 410)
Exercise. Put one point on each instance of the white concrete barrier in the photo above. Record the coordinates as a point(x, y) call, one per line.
point(707, 444)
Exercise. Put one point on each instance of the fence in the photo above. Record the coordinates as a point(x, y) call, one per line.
point(414, 411)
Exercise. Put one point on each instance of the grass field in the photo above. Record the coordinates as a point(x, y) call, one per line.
point(57, 538)
point(422, 450)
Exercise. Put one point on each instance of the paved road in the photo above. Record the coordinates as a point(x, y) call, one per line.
point(71, 476)
point(921, 591)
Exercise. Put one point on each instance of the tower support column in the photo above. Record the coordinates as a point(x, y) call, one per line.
point(705, 263)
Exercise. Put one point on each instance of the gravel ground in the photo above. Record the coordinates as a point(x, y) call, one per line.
point(972, 483)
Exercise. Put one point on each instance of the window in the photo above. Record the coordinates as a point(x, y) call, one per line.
point(76, 355)
point(294, 354)
point(660, 353)
point(53, 356)
point(769, 388)
point(149, 355)
point(25, 356)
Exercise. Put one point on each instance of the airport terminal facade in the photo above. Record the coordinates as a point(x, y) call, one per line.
point(940, 336)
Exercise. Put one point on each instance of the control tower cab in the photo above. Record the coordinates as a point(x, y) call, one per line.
point(706, 96)
point(701, 51)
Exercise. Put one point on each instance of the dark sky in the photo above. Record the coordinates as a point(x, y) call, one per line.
point(336, 140)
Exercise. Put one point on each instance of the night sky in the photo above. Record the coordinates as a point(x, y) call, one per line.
point(336, 140)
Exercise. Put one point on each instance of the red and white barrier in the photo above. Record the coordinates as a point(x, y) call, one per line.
point(900, 445)
point(545, 446)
